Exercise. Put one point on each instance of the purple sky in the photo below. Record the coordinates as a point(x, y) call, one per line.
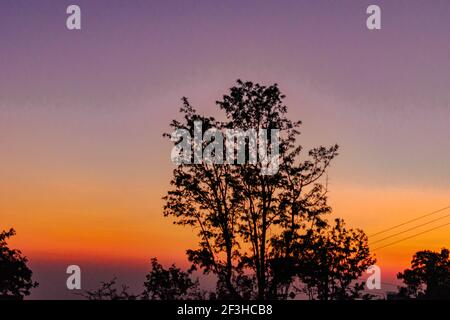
point(133, 60)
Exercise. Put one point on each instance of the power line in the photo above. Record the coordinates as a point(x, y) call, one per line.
point(410, 229)
point(409, 221)
point(413, 236)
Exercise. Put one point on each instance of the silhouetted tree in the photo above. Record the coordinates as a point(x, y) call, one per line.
point(15, 276)
point(428, 277)
point(170, 284)
point(250, 224)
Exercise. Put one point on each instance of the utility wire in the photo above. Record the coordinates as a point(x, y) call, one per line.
point(409, 221)
point(410, 229)
point(413, 236)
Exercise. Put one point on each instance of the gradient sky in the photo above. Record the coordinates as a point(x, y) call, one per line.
point(84, 165)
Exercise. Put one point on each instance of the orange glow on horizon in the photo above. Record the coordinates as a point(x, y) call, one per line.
point(96, 222)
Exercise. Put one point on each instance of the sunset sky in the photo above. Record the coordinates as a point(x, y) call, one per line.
point(83, 162)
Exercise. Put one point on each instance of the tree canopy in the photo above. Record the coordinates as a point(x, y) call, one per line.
point(15, 275)
point(170, 284)
point(428, 277)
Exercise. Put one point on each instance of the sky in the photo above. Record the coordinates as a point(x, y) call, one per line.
point(83, 162)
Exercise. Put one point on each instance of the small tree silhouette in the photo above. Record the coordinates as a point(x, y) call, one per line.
point(160, 284)
point(170, 284)
point(331, 259)
point(15, 276)
point(428, 277)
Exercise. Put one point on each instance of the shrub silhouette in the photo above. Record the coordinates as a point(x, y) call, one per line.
point(109, 291)
point(170, 284)
point(160, 284)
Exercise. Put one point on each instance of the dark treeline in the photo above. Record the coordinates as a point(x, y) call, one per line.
point(261, 236)
point(428, 278)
